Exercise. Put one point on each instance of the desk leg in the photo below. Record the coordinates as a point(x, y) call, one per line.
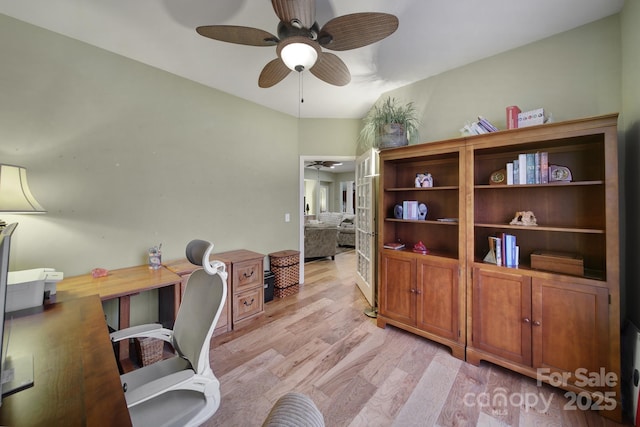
point(124, 322)
point(177, 299)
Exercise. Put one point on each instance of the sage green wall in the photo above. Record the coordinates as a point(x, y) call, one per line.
point(335, 137)
point(572, 75)
point(630, 31)
point(125, 156)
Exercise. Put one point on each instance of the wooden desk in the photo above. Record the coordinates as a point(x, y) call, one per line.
point(76, 380)
point(121, 284)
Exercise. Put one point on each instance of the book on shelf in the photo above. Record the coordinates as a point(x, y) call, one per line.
point(479, 130)
point(494, 256)
point(531, 168)
point(410, 209)
point(537, 163)
point(487, 124)
point(510, 173)
point(522, 168)
point(393, 245)
point(516, 172)
point(544, 167)
point(509, 245)
point(512, 117)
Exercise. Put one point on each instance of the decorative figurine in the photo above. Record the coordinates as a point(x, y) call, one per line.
point(526, 218)
point(420, 248)
point(424, 180)
point(427, 181)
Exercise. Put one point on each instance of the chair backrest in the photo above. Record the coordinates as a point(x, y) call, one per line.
point(202, 302)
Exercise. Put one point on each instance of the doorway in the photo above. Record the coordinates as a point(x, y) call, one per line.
point(303, 198)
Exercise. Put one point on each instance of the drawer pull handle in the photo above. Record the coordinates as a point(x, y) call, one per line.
point(247, 276)
point(250, 303)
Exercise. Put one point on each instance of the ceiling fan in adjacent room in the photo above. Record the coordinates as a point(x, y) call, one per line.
point(319, 164)
point(300, 40)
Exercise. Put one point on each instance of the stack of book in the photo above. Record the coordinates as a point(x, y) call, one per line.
point(480, 127)
point(529, 168)
point(503, 251)
point(394, 245)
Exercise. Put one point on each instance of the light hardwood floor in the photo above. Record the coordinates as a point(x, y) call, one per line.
point(320, 343)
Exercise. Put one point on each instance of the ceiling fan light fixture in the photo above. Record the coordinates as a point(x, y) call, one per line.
point(298, 53)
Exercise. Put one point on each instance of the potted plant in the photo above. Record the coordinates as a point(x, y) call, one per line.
point(390, 124)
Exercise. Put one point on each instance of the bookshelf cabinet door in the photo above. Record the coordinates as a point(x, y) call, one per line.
point(569, 326)
point(397, 288)
point(502, 314)
point(437, 297)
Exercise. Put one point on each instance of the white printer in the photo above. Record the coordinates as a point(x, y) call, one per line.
point(29, 288)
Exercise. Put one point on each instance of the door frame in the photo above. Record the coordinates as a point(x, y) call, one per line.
point(303, 159)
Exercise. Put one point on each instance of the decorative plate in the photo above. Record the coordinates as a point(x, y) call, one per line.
point(498, 177)
point(397, 211)
point(559, 173)
point(422, 211)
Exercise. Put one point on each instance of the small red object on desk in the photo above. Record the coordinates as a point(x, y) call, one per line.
point(420, 248)
point(99, 272)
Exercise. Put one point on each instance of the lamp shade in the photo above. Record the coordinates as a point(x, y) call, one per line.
point(15, 195)
point(298, 53)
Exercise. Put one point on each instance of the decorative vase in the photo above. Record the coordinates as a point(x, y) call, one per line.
point(392, 135)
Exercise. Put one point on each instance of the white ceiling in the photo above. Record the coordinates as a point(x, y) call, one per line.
point(433, 36)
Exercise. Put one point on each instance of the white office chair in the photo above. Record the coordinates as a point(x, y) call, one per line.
point(182, 390)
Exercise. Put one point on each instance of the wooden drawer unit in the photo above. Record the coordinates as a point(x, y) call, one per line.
point(247, 304)
point(246, 283)
point(247, 275)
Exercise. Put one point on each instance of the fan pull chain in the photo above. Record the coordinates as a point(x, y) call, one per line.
point(300, 91)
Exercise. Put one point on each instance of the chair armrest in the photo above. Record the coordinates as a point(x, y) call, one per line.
point(157, 387)
point(151, 330)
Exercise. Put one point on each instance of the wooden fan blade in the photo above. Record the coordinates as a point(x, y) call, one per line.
point(239, 35)
point(300, 10)
point(357, 30)
point(273, 73)
point(331, 69)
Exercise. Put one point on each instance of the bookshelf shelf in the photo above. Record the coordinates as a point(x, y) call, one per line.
point(539, 228)
point(421, 189)
point(546, 186)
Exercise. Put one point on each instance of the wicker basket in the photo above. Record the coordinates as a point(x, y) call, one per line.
point(285, 266)
point(149, 350)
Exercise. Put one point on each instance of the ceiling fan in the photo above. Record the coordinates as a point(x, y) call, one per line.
point(318, 164)
point(300, 40)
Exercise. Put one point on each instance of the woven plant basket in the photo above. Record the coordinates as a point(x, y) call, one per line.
point(285, 266)
point(149, 350)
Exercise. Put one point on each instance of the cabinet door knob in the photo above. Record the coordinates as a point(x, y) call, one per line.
point(413, 291)
point(536, 323)
point(526, 320)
